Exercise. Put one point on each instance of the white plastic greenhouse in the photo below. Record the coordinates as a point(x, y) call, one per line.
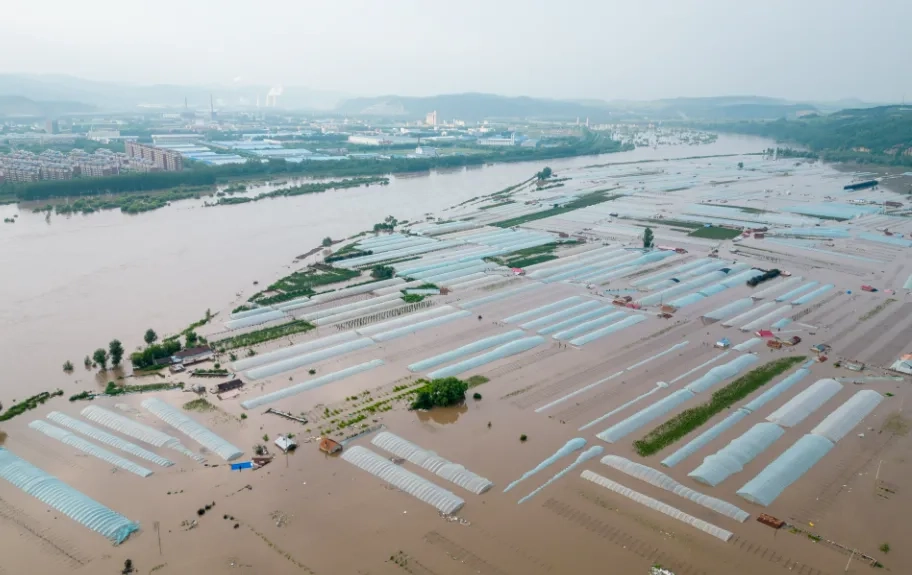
point(358, 305)
point(608, 330)
point(657, 505)
point(659, 479)
point(127, 426)
point(60, 496)
point(560, 315)
point(686, 300)
point(797, 291)
point(659, 387)
point(583, 457)
point(255, 319)
point(73, 440)
point(747, 344)
point(627, 426)
point(407, 320)
point(582, 260)
point(572, 445)
point(429, 460)
point(777, 390)
point(729, 309)
point(610, 315)
point(500, 352)
point(573, 321)
point(808, 298)
point(107, 438)
point(786, 469)
point(777, 285)
point(307, 359)
point(249, 312)
point(468, 349)
point(752, 312)
point(192, 428)
point(544, 309)
point(844, 418)
point(732, 458)
point(443, 500)
point(285, 352)
point(418, 326)
point(291, 390)
point(673, 272)
point(766, 320)
point(318, 299)
point(702, 440)
point(499, 296)
point(722, 372)
point(805, 403)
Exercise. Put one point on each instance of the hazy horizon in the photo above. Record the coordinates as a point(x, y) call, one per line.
point(809, 51)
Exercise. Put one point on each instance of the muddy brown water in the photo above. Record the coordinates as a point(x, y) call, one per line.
point(339, 519)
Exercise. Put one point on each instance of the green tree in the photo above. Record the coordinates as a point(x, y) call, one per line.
point(192, 338)
point(327, 241)
point(67, 366)
point(87, 362)
point(383, 272)
point(441, 393)
point(101, 358)
point(647, 238)
point(740, 165)
point(150, 336)
point(544, 174)
point(116, 351)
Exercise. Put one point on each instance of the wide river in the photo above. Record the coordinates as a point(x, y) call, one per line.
point(71, 284)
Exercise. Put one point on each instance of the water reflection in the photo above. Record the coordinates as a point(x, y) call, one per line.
point(443, 415)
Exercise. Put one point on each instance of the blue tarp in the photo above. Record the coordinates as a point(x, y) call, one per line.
point(242, 465)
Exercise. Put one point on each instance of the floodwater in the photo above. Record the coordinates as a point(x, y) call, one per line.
point(72, 284)
point(311, 513)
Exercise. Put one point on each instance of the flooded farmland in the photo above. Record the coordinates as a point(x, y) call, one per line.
point(586, 349)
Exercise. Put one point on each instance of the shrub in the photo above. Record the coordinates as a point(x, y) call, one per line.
point(243, 416)
point(382, 272)
point(476, 395)
point(311, 371)
point(201, 511)
point(523, 437)
point(67, 366)
point(885, 548)
point(265, 437)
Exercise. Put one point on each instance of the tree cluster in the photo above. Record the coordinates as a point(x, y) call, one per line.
point(441, 393)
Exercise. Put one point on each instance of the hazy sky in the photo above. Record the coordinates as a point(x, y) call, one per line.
point(609, 49)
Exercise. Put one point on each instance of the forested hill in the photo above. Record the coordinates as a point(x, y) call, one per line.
point(877, 135)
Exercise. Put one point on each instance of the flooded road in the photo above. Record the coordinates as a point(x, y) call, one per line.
point(73, 283)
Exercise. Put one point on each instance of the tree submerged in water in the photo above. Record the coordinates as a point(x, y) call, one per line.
point(441, 393)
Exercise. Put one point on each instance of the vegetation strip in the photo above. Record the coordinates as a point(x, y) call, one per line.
point(266, 334)
point(302, 283)
point(584, 201)
point(715, 233)
point(29, 403)
point(690, 419)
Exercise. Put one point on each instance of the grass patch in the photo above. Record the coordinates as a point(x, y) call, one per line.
point(28, 404)
point(477, 380)
point(690, 419)
point(201, 405)
point(528, 256)
point(675, 223)
point(715, 233)
point(265, 334)
point(302, 283)
point(412, 297)
point(583, 201)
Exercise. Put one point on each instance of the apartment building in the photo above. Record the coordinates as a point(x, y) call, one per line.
point(161, 158)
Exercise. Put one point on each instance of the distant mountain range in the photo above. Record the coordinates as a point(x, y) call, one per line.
point(57, 95)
